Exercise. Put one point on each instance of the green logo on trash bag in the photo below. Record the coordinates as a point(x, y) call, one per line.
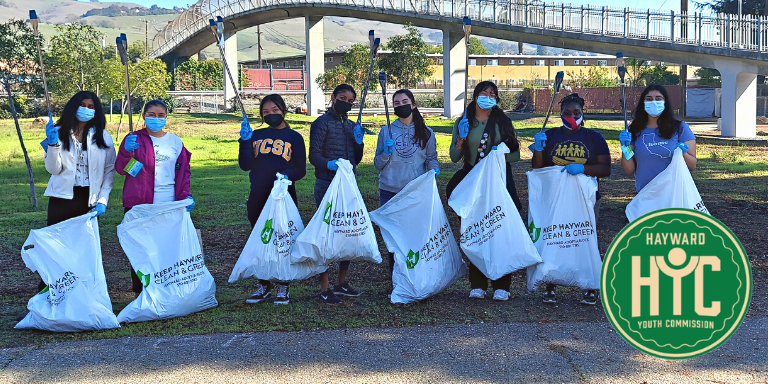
point(327, 213)
point(412, 259)
point(266, 233)
point(143, 278)
point(44, 291)
point(534, 232)
point(676, 283)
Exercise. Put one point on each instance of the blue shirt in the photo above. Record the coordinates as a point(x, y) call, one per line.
point(653, 153)
point(574, 147)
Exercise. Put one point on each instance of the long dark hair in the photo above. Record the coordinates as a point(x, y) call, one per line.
point(668, 125)
point(278, 100)
point(68, 121)
point(497, 117)
point(421, 132)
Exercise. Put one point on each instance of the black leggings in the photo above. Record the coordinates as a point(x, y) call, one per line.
point(256, 202)
point(64, 209)
point(476, 278)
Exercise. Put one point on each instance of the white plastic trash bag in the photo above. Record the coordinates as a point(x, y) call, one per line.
point(672, 188)
point(415, 228)
point(266, 254)
point(162, 245)
point(493, 235)
point(340, 229)
point(561, 221)
point(68, 257)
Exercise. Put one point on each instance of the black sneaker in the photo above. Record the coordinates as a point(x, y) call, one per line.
point(282, 297)
point(548, 296)
point(589, 298)
point(328, 297)
point(260, 295)
point(344, 289)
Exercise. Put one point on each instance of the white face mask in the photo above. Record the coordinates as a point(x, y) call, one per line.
point(654, 108)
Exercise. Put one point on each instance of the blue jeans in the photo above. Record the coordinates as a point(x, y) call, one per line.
point(321, 186)
point(384, 197)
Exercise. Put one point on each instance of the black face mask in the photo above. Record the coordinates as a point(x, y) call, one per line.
point(274, 120)
point(403, 111)
point(342, 107)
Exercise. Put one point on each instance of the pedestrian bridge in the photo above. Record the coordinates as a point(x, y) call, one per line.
point(736, 47)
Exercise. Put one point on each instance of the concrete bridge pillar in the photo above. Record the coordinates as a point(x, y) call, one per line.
point(454, 72)
point(230, 52)
point(315, 53)
point(738, 106)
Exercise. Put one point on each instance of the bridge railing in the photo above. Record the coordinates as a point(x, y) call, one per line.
point(748, 33)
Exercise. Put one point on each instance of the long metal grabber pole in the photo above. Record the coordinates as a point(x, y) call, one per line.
point(374, 44)
point(122, 49)
point(467, 25)
point(217, 27)
point(626, 150)
point(33, 20)
point(556, 86)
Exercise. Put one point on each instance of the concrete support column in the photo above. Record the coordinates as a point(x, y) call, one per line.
point(230, 52)
point(454, 72)
point(738, 98)
point(313, 26)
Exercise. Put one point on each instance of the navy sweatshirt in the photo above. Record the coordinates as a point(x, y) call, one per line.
point(279, 150)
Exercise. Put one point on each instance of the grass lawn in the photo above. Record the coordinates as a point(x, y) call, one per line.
point(733, 181)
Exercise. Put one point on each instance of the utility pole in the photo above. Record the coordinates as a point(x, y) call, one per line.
point(258, 42)
point(683, 67)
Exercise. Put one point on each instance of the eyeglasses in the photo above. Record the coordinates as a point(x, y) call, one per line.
point(481, 148)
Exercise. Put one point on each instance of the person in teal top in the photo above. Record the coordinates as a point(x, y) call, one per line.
point(483, 127)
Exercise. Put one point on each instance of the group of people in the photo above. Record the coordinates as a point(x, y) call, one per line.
point(82, 160)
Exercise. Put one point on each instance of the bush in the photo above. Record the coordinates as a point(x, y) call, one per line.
point(22, 107)
point(429, 100)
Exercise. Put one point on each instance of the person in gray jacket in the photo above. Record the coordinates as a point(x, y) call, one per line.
point(332, 137)
point(406, 149)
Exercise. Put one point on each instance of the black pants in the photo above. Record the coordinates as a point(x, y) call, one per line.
point(321, 186)
point(256, 202)
point(476, 278)
point(64, 209)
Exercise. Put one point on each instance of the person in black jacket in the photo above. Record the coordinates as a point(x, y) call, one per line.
point(266, 152)
point(332, 137)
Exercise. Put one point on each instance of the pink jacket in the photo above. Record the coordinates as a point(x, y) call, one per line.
point(141, 188)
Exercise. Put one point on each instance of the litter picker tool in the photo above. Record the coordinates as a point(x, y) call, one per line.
point(467, 32)
point(33, 20)
point(383, 83)
point(122, 49)
point(625, 149)
point(556, 86)
point(374, 42)
point(217, 27)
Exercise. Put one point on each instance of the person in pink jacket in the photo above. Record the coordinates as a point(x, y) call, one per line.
point(155, 164)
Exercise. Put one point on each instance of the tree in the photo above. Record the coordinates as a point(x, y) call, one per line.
point(149, 79)
point(660, 75)
point(17, 52)
point(748, 7)
point(636, 70)
point(476, 47)
point(408, 63)
point(708, 76)
point(596, 77)
point(353, 70)
point(434, 49)
point(542, 50)
point(75, 59)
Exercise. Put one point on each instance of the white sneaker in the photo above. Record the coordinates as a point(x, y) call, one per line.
point(501, 295)
point(477, 293)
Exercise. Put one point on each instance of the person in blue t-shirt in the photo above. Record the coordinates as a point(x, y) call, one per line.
point(653, 136)
point(578, 150)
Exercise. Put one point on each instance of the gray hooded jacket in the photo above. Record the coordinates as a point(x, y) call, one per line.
point(408, 160)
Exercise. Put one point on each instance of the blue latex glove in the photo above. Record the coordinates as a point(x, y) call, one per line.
point(245, 130)
point(539, 141)
point(495, 147)
point(51, 132)
point(625, 138)
point(100, 209)
point(389, 146)
point(683, 146)
point(437, 172)
point(283, 177)
point(358, 133)
point(464, 126)
point(574, 169)
point(130, 143)
point(191, 206)
point(333, 166)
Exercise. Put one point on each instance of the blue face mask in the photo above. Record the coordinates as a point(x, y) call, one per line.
point(84, 114)
point(654, 108)
point(154, 124)
point(486, 102)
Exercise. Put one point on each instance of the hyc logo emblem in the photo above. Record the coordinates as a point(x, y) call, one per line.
point(676, 283)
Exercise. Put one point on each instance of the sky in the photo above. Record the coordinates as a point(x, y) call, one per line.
point(642, 4)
